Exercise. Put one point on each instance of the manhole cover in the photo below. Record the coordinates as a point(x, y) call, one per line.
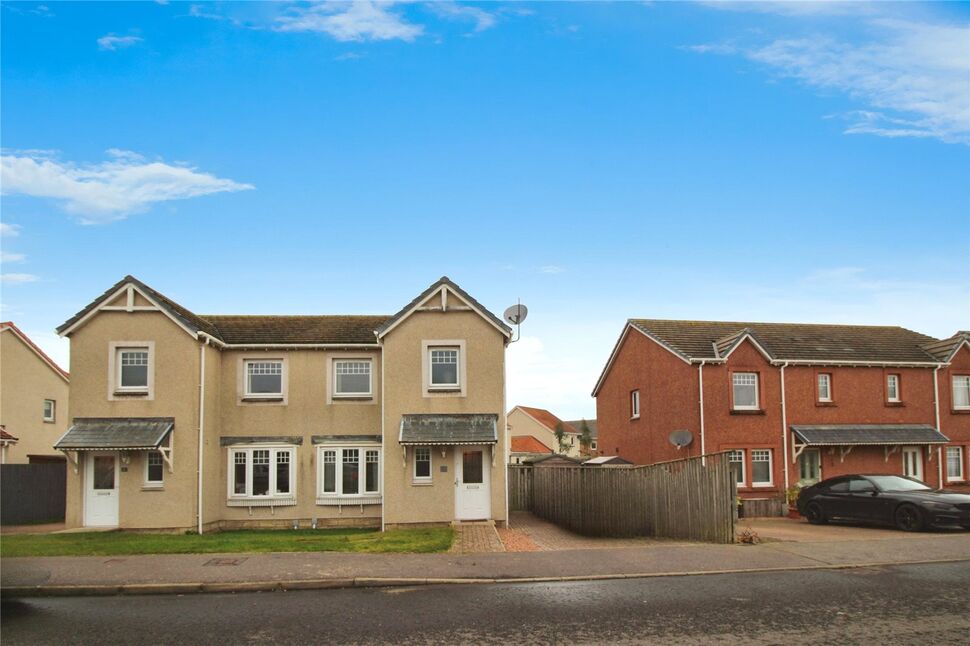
point(224, 561)
point(115, 561)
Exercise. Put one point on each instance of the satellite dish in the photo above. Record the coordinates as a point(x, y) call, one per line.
point(681, 438)
point(516, 314)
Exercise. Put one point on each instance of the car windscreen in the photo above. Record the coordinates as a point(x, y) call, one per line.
point(895, 483)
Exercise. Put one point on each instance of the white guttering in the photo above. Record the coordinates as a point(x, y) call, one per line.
point(936, 405)
point(838, 362)
point(700, 386)
point(784, 426)
point(201, 421)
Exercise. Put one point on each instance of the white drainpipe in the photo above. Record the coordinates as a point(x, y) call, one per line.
point(936, 405)
point(201, 422)
point(700, 385)
point(784, 426)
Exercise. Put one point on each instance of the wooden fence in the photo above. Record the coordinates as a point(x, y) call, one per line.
point(32, 493)
point(764, 507)
point(690, 499)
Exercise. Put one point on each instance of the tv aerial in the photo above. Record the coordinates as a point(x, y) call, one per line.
point(681, 438)
point(514, 316)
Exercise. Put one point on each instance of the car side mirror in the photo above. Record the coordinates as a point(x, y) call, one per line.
point(875, 493)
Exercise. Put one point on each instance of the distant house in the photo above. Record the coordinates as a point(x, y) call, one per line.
point(554, 460)
point(541, 424)
point(593, 433)
point(33, 399)
point(526, 447)
point(6, 440)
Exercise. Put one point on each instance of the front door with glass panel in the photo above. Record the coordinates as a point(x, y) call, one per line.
point(101, 490)
point(472, 496)
point(912, 462)
point(809, 467)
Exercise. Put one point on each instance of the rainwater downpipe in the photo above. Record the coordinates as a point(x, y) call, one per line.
point(201, 423)
point(700, 385)
point(784, 426)
point(936, 405)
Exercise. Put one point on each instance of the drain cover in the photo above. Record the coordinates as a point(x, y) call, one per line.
point(224, 561)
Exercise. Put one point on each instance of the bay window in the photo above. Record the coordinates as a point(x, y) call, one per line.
point(262, 473)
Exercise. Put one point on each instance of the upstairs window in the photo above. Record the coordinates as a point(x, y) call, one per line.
point(961, 391)
point(264, 378)
point(634, 404)
point(133, 369)
point(745, 387)
point(824, 387)
point(892, 388)
point(352, 378)
point(444, 367)
point(49, 406)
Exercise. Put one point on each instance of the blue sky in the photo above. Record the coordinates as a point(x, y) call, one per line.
point(759, 161)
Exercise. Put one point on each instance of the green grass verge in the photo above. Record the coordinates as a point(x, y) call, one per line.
point(421, 540)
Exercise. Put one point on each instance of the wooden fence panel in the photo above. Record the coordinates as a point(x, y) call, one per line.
point(32, 493)
point(690, 499)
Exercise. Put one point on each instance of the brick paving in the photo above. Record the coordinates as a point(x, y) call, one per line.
point(476, 538)
point(527, 533)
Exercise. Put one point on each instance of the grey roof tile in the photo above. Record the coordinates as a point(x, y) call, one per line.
point(878, 434)
point(449, 429)
point(127, 433)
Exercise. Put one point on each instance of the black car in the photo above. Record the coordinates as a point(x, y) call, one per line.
point(904, 502)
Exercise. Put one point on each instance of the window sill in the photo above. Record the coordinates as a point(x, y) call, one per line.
point(335, 501)
point(153, 487)
point(895, 404)
point(251, 399)
point(131, 393)
point(766, 485)
point(960, 411)
point(444, 389)
point(745, 411)
point(819, 404)
point(49, 421)
point(261, 502)
point(352, 398)
point(422, 483)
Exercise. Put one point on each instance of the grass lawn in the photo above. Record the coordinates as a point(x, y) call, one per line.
point(432, 539)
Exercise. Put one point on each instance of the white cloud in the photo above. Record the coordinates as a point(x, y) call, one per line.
point(6, 257)
point(453, 11)
point(108, 190)
point(111, 42)
point(551, 269)
point(18, 279)
point(9, 230)
point(360, 20)
point(912, 77)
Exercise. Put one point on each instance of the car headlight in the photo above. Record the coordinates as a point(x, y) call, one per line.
point(942, 506)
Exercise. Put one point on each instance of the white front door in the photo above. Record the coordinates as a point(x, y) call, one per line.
point(472, 495)
point(101, 490)
point(912, 462)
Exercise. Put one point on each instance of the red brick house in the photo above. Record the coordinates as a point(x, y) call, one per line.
point(793, 402)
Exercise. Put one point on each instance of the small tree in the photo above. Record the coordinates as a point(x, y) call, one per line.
point(585, 436)
point(561, 437)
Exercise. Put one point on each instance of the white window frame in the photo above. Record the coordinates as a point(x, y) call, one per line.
point(161, 462)
point(961, 476)
point(251, 395)
point(441, 390)
point(53, 413)
point(635, 404)
point(115, 392)
point(363, 449)
point(592, 445)
point(274, 450)
point(757, 391)
point(770, 481)
point(892, 388)
point(965, 385)
point(743, 482)
point(456, 385)
point(119, 355)
point(414, 466)
point(356, 395)
point(825, 377)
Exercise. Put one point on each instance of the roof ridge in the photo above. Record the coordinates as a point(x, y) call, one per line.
point(748, 323)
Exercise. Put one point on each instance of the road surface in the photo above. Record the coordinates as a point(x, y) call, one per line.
point(915, 604)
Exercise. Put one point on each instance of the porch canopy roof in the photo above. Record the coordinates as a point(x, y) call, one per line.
point(116, 434)
point(867, 434)
point(442, 430)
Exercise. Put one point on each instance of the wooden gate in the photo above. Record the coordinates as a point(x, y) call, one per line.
point(32, 493)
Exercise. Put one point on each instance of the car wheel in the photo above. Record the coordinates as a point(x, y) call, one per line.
point(814, 514)
point(908, 518)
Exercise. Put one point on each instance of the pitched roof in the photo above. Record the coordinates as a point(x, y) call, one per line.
point(528, 444)
point(547, 419)
point(791, 341)
point(578, 425)
point(5, 436)
point(135, 433)
point(239, 329)
point(945, 349)
point(9, 325)
point(444, 281)
point(868, 434)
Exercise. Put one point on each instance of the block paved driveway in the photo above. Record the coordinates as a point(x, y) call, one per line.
point(528, 533)
point(800, 531)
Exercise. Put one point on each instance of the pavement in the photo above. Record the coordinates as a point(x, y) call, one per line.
point(803, 549)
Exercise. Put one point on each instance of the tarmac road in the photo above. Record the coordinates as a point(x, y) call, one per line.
point(908, 604)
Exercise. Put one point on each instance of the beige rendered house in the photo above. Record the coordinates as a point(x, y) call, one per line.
point(186, 421)
point(526, 421)
point(33, 399)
